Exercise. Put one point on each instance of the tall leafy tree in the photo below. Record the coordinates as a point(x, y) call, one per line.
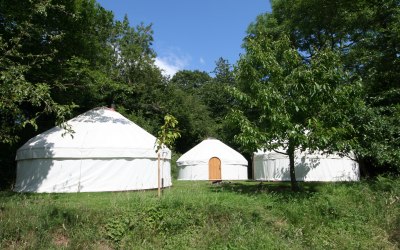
point(60, 57)
point(213, 93)
point(26, 46)
point(375, 57)
point(83, 60)
point(366, 35)
point(140, 91)
point(195, 122)
point(190, 80)
point(201, 103)
point(287, 103)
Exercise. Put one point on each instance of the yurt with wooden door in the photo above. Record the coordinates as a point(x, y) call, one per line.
point(212, 160)
point(105, 152)
point(274, 166)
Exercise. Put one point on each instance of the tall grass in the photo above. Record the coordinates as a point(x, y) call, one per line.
point(199, 215)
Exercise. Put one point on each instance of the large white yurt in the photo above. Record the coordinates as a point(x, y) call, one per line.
point(273, 166)
point(211, 159)
point(105, 152)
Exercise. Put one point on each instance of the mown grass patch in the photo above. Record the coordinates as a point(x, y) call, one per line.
point(193, 215)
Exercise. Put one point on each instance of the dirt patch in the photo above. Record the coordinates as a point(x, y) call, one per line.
point(395, 236)
point(102, 246)
point(60, 239)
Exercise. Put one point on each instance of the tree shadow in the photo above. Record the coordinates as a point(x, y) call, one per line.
point(257, 188)
point(11, 196)
point(308, 168)
point(6, 194)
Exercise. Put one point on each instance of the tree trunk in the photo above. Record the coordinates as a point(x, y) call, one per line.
point(293, 181)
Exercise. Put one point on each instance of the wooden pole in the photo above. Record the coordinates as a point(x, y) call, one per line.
point(162, 172)
point(159, 182)
point(252, 167)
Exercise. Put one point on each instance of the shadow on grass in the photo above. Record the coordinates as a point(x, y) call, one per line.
point(307, 189)
point(5, 194)
point(15, 196)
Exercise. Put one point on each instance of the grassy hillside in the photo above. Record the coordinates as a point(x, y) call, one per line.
point(199, 215)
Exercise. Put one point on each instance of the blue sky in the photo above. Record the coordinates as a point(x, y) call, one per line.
point(192, 34)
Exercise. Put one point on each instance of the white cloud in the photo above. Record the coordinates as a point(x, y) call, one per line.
point(202, 60)
point(166, 68)
point(170, 63)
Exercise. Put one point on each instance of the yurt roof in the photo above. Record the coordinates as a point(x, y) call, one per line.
point(97, 133)
point(202, 152)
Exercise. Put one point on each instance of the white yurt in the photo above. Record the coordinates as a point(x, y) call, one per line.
point(212, 160)
point(273, 166)
point(105, 152)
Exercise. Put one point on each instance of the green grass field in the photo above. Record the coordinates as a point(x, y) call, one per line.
point(199, 215)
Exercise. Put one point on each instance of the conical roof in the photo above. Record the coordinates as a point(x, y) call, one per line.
point(202, 152)
point(97, 133)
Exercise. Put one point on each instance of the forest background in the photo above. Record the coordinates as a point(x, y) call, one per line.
point(330, 68)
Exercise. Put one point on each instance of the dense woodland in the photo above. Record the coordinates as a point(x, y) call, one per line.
point(317, 75)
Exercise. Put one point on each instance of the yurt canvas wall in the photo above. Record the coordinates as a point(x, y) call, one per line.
point(273, 166)
point(212, 160)
point(106, 152)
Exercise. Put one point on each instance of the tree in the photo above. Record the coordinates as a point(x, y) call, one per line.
point(375, 57)
point(223, 72)
point(214, 94)
point(140, 83)
point(190, 81)
point(366, 36)
point(80, 71)
point(195, 122)
point(183, 100)
point(63, 57)
point(201, 103)
point(167, 135)
point(285, 102)
point(26, 47)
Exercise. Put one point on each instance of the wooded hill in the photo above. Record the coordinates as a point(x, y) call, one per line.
point(322, 75)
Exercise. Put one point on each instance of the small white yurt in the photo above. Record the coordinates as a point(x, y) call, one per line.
point(273, 166)
point(212, 160)
point(105, 152)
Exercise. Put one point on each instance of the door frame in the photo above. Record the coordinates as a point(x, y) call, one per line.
point(212, 170)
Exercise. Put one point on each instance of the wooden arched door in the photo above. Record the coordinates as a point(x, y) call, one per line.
point(214, 169)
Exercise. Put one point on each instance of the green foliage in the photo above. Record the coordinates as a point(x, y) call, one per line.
point(364, 34)
point(118, 226)
point(23, 97)
point(104, 61)
point(150, 125)
point(61, 59)
point(201, 215)
point(201, 103)
point(215, 95)
point(174, 167)
point(168, 132)
point(195, 122)
point(323, 74)
point(190, 81)
point(286, 102)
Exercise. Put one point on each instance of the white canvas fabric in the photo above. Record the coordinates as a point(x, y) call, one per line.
point(193, 165)
point(273, 166)
point(106, 152)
